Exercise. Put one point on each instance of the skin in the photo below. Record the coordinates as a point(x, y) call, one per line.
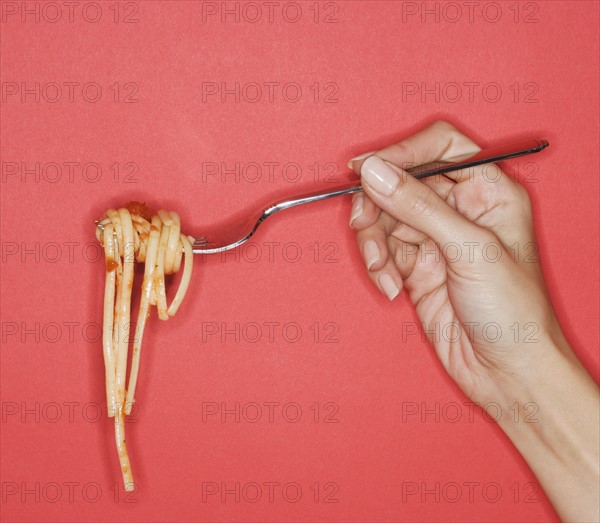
point(463, 246)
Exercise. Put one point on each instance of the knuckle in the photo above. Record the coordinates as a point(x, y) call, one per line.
point(443, 125)
point(519, 195)
point(403, 151)
point(459, 141)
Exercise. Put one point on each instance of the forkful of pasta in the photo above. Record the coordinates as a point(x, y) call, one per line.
point(134, 233)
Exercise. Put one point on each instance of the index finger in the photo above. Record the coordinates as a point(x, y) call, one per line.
point(438, 142)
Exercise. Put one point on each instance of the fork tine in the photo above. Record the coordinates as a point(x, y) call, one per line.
point(200, 242)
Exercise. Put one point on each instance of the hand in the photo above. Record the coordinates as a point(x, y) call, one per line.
point(463, 246)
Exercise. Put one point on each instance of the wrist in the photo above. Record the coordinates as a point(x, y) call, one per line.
point(551, 414)
point(529, 368)
point(547, 400)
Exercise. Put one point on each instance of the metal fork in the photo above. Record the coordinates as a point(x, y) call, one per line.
point(241, 229)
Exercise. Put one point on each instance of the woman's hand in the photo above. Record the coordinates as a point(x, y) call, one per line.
point(463, 246)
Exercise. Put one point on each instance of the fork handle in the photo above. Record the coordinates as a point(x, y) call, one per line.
point(492, 154)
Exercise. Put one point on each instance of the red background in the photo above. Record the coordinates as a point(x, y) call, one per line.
point(363, 56)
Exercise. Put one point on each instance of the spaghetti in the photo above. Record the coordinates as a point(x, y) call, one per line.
point(135, 234)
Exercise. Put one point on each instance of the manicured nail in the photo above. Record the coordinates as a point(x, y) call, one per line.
point(358, 158)
point(357, 208)
point(379, 175)
point(371, 253)
point(388, 285)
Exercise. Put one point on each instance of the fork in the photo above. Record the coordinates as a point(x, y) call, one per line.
point(240, 230)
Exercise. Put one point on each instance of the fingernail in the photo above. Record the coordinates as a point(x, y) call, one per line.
point(371, 253)
point(388, 286)
point(357, 208)
point(358, 158)
point(379, 175)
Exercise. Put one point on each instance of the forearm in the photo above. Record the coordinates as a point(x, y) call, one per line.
point(562, 446)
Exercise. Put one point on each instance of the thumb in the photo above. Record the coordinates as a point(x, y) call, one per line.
point(413, 203)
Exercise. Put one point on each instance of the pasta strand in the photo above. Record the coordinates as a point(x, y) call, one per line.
point(130, 234)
